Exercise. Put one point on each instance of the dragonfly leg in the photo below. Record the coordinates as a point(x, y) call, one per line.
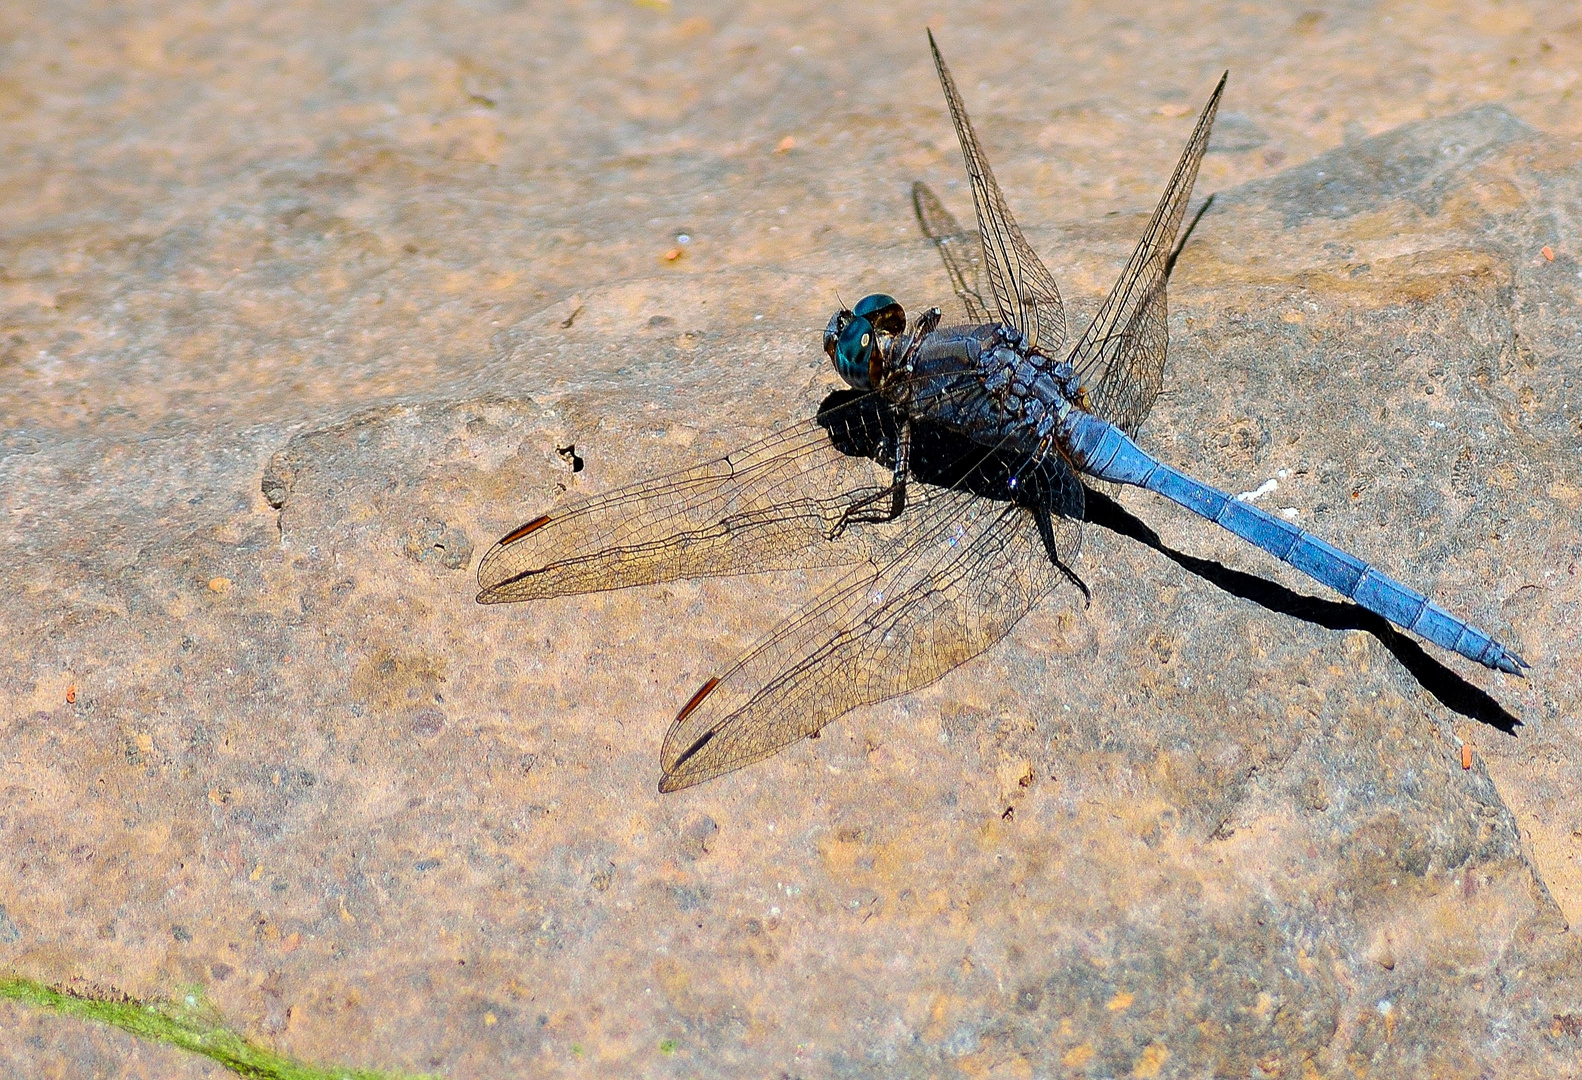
point(1046, 532)
point(925, 324)
point(870, 509)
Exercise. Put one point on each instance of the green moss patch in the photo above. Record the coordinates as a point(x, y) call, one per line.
point(192, 1024)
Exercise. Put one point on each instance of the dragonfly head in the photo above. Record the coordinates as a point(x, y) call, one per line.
point(859, 340)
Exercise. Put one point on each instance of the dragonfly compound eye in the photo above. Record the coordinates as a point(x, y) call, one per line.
point(881, 309)
point(854, 351)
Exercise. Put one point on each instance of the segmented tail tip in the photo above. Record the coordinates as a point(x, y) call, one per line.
point(1512, 664)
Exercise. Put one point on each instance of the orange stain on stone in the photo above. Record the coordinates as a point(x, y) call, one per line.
point(1077, 1056)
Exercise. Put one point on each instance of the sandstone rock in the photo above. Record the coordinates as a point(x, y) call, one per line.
point(316, 307)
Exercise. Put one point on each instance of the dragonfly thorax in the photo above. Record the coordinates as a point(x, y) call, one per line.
point(1026, 383)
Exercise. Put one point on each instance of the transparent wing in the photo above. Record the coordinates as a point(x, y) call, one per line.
point(963, 571)
point(771, 505)
point(1120, 359)
point(1024, 292)
point(961, 251)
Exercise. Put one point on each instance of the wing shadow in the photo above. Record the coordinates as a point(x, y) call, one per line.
point(1447, 687)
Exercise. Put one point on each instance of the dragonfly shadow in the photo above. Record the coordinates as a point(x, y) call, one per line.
point(1450, 689)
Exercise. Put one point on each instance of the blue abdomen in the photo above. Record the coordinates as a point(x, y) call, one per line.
point(1104, 451)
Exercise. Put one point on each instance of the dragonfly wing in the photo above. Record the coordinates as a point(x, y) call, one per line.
point(961, 251)
point(1024, 291)
point(1121, 357)
point(1125, 392)
point(771, 505)
point(969, 569)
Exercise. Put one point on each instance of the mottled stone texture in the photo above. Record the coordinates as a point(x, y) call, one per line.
point(301, 304)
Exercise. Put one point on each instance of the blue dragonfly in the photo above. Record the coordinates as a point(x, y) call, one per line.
point(944, 482)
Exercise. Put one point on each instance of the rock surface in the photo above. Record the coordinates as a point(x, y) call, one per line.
point(306, 305)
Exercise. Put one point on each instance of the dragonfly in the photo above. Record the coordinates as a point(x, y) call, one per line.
point(944, 484)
